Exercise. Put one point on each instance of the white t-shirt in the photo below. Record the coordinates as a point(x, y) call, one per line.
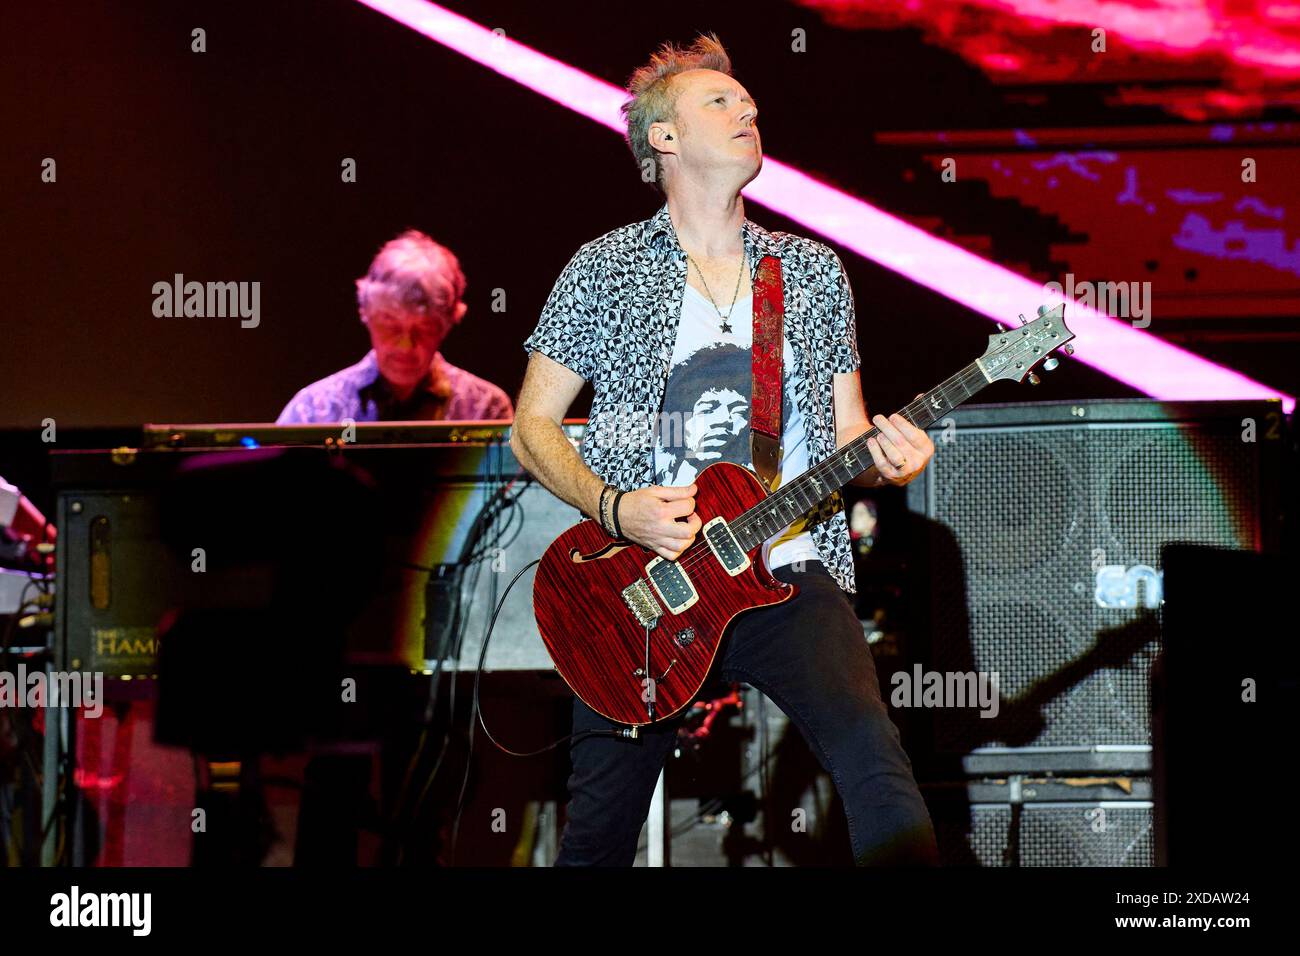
point(705, 414)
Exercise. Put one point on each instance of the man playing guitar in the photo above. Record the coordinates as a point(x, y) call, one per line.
point(657, 315)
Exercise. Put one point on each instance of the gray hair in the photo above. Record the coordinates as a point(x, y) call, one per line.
point(652, 99)
point(415, 272)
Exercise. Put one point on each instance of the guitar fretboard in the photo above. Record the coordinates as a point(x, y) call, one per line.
point(821, 480)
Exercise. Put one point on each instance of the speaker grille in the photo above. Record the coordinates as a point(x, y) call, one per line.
point(1069, 835)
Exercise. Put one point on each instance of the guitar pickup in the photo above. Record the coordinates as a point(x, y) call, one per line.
point(724, 546)
point(671, 584)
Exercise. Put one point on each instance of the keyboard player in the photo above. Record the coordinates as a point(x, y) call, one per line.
point(409, 301)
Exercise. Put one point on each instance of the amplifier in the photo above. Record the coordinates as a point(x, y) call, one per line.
point(116, 578)
point(1044, 822)
point(1037, 536)
point(441, 565)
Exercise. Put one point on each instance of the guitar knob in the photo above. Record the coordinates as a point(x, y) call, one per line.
point(1068, 348)
point(1034, 379)
point(1050, 364)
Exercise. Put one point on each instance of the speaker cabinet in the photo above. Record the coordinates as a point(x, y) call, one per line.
point(1037, 557)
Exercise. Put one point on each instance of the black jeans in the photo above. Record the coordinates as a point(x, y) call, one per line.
point(810, 657)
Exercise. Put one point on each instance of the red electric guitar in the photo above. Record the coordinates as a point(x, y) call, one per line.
point(634, 635)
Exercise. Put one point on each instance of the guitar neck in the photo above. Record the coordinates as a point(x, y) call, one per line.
point(820, 481)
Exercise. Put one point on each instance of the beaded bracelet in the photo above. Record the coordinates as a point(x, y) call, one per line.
point(603, 515)
point(610, 522)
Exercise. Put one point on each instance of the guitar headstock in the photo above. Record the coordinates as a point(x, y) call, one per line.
point(1013, 354)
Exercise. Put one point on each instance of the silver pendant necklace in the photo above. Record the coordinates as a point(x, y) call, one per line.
point(726, 325)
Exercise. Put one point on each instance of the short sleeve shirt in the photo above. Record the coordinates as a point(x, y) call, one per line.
point(359, 394)
point(613, 317)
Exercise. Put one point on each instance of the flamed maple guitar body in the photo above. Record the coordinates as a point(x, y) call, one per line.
point(598, 642)
point(594, 596)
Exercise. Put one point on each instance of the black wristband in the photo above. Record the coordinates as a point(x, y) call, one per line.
point(618, 530)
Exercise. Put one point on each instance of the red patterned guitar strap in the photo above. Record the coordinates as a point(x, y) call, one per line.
point(765, 400)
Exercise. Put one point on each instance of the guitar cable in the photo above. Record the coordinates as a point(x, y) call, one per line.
point(629, 733)
point(498, 499)
point(476, 711)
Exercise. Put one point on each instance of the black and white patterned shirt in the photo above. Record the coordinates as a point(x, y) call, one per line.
point(613, 316)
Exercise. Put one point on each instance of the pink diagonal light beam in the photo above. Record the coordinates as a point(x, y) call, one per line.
point(1112, 346)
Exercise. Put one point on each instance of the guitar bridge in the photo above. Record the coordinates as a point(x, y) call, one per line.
point(640, 600)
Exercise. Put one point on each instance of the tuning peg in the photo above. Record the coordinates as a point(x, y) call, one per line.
point(1050, 364)
point(1023, 320)
point(1067, 348)
point(1000, 328)
point(1034, 379)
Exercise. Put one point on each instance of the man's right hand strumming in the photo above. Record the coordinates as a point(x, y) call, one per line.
point(661, 518)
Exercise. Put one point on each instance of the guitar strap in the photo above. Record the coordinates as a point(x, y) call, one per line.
point(765, 400)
